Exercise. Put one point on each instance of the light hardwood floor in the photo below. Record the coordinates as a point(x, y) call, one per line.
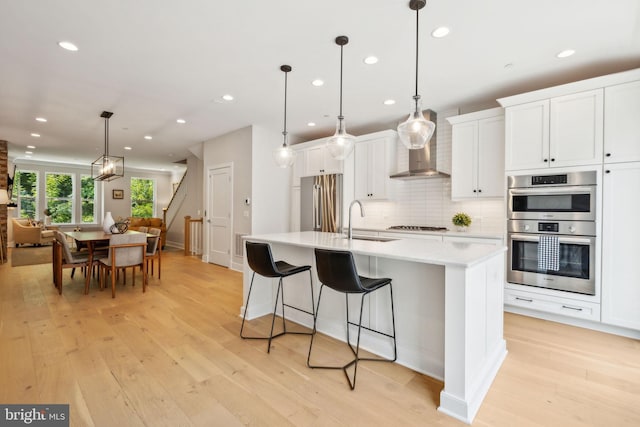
point(173, 357)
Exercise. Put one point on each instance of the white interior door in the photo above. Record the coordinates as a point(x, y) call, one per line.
point(219, 216)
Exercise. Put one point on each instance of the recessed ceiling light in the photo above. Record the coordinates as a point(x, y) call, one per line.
point(227, 97)
point(311, 124)
point(31, 147)
point(370, 60)
point(28, 152)
point(508, 66)
point(440, 32)
point(566, 53)
point(181, 121)
point(317, 82)
point(35, 135)
point(127, 148)
point(41, 119)
point(148, 137)
point(68, 46)
point(389, 101)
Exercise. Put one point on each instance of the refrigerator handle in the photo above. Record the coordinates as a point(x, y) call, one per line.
point(317, 207)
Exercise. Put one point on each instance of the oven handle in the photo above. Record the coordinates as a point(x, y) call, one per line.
point(562, 238)
point(551, 190)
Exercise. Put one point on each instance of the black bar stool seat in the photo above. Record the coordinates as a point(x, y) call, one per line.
point(337, 270)
point(261, 261)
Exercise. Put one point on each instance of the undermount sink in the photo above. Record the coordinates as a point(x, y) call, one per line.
point(372, 238)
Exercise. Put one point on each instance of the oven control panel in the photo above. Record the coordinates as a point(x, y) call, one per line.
point(578, 228)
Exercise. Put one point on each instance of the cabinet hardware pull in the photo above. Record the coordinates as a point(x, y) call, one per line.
point(546, 160)
point(553, 160)
point(474, 191)
point(524, 299)
point(608, 154)
point(572, 308)
point(479, 191)
point(607, 171)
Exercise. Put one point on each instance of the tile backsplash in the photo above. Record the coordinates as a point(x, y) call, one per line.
point(428, 201)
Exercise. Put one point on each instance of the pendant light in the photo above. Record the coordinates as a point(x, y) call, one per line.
point(284, 156)
point(416, 131)
point(106, 167)
point(341, 144)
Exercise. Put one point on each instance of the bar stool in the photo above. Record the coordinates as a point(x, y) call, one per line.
point(337, 270)
point(261, 262)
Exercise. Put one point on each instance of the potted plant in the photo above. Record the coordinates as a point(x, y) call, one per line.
point(461, 220)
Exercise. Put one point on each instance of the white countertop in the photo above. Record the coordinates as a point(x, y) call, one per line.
point(476, 233)
point(415, 250)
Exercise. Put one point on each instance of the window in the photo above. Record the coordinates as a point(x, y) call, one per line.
point(25, 189)
point(142, 197)
point(59, 194)
point(88, 199)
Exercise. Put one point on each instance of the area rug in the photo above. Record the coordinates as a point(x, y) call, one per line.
point(31, 255)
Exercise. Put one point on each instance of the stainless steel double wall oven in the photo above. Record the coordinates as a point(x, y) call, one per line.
point(560, 205)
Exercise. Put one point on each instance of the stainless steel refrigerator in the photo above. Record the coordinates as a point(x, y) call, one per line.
point(321, 203)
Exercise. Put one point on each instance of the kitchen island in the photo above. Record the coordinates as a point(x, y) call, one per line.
point(448, 301)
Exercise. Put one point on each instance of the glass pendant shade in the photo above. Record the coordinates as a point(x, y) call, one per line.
point(416, 131)
point(341, 144)
point(284, 155)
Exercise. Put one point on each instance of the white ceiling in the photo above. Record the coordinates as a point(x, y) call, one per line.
point(153, 61)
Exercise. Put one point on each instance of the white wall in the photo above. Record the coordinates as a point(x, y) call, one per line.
point(270, 185)
point(232, 148)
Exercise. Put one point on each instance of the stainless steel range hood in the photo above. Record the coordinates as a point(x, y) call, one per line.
point(423, 162)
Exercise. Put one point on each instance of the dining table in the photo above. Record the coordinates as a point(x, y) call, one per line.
point(91, 239)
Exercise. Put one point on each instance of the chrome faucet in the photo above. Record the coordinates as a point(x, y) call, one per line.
point(349, 232)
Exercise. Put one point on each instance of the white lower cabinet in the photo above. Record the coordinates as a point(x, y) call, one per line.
point(620, 238)
point(551, 304)
point(434, 237)
point(464, 239)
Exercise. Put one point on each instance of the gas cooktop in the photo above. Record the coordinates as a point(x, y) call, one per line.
point(417, 228)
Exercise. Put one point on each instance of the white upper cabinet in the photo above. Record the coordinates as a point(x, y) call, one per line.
point(556, 132)
point(478, 155)
point(527, 135)
point(622, 123)
point(374, 160)
point(576, 129)
point(318, 161)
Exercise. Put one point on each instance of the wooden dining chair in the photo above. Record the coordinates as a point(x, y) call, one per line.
point(125, 250)
point(154, 250)
point(65, 258)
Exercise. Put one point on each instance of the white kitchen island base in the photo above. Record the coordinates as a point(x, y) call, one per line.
point(448, 301)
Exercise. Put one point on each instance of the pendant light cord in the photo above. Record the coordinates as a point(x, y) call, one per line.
point(106, 137)
point(417, 41)
point(284, 132)
point(341, 55)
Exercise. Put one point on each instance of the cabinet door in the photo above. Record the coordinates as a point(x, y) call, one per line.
point(491, 157)
point(620, 237)
point(527, 136)
point(371, 169)
point(361, 171)
point(576, 129)
point(622, 123)
point(331, 165)
point(464, 153)
point(314, 161)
